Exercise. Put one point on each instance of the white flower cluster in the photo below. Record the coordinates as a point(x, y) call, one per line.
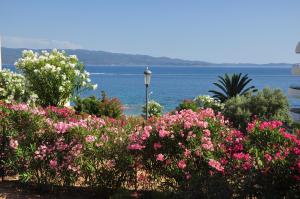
point(55, 71)
point(12, 88)
point(154, 108)
point(206, 101)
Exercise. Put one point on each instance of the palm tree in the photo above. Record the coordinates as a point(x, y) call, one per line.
point(232, 86)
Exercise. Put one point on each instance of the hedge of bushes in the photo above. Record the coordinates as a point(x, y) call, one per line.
point(189, 153)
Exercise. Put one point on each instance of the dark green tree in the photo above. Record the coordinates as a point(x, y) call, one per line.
point(232, 86)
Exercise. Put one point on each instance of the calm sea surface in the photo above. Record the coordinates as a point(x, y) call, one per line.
point(170, 85)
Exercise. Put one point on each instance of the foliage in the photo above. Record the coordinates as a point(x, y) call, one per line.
point(110, 107)
point(205, 101)
point(187, 104)
point(55, 77)
point(13, 88)
point(99, 107)
point(271, 104)
point(154, 109)
point(188, 150)
point(232, 86)
point(187, 153)
point(267, 104)
point(276, 160)
point(87, 105)
point(55, 146)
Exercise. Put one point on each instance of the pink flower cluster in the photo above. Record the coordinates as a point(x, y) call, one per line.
point(216, 165)
point(61, 112)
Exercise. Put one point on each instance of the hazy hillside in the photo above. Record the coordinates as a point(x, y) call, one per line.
point(88, 57)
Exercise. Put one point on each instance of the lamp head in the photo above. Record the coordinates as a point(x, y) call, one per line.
point(147, 76)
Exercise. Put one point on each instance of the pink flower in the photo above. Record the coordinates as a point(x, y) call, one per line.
point(207, 144)
point(181, 164)
point(13, 143)
point(19, 107)
point(145, 135)
point(104, 138)
point(135, 147)
point(163, 133)
point(215, 164)
point(197, 153)
point(156, 146)
point(251, 126)
point(90, 138)
point(268, 157)
point(53, 164)
point(61, 127)
point(206, 132)
point(187, 153)
point(160, 157)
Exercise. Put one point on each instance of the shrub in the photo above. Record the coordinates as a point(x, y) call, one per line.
point(110, 107)
point(276, 161)
point(100, 107)
point(271, 104)
point(154, 109)
point(187, 104)
point(188, 150)
point(87, 105)
point(56, 146)
point(186, 153)
point(266, 105)
point(205, 101)
point(55, 77)
point(13, 88)
point(106, 163)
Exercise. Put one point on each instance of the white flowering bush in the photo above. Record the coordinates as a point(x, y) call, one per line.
point(206, 101)
point(12, 88)
point(54, 76)
point(154, 109)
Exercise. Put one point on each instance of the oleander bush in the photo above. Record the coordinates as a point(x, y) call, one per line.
point(53, 76)
point(188, 154)
point(13, 88)
point(205, 101)
point(56, 146)
point(191, 151)
point(275, 155)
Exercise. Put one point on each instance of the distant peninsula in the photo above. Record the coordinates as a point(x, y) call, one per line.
point(102, 58)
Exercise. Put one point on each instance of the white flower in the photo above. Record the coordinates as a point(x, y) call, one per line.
point(61, 89)
point(95, 86)
point(73, 56)
point(77, 72)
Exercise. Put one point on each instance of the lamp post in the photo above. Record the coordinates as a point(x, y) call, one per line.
point(147, 79)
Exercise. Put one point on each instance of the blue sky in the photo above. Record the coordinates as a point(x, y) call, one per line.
point(258, 31)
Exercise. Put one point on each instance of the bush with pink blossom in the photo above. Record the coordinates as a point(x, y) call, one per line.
point(55, 146)
point(195, 153)
point(189, 150)
point(275, 156)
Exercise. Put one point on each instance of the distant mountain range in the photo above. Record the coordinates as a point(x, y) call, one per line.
point(98, 58)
